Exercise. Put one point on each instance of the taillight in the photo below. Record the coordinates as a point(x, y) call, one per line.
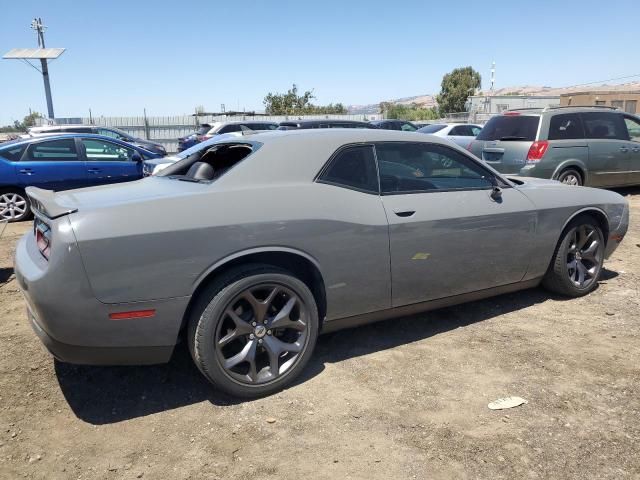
point(43, 237)
point(537, 151)
point(511, 114)
point(469, 146)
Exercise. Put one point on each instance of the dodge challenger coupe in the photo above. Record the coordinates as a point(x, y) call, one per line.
point(250, 247)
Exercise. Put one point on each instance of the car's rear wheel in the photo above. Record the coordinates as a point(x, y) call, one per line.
point(14, 205)
point(253, 330)
point(571, 176)
point(578, 259)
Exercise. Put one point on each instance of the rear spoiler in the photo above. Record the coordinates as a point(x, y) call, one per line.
point(44, 202)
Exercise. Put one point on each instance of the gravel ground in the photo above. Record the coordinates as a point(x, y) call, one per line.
point(405, 398)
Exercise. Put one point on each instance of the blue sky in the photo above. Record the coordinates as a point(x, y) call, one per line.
point(169, 57)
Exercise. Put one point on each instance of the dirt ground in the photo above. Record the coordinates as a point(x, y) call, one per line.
point(405, 398)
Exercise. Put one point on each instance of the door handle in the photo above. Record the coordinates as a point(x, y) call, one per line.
point(94, 170)
point(26, 171)
point(624, 149)
point(636, 149)
point(404, 213)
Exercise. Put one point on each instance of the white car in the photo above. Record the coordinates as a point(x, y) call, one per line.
point(460, 133)
point(238, 127)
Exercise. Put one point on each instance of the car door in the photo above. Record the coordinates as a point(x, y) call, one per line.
point(608, 144)
point(355, 249)
point(53, 165)
point(110, 162)
point(447, 235)
point(633, 129)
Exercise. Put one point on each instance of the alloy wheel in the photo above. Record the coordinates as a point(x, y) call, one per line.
point(12, 206)
point(584, 256)
point(262, 334)
point(571, 179)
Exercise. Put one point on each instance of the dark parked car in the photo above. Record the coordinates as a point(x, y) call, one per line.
point(593, 146)
point(60, 163)
point(194, 138)
point(48, 130)
point(325, 123)
point(389, 124)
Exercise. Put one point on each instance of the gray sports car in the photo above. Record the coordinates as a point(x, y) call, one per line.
point(250, 247)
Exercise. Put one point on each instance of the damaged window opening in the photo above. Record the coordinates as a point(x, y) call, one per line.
point(209, 164)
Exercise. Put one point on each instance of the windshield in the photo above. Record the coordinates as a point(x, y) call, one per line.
point(510, 127)
point(432, 128)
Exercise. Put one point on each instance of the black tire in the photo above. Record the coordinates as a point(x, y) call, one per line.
point(561, 277)
point(571, 176)
point(210, 317)
point(11, 200)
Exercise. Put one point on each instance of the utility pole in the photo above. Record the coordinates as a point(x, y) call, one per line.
point(37, 25)
point(41, 53)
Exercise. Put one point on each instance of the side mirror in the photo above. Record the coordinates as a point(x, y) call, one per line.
point(136, 157)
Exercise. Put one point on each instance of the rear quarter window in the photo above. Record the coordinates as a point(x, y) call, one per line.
point(12, 154)
point(511, 127)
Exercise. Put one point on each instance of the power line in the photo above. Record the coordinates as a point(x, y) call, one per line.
point(603, 81)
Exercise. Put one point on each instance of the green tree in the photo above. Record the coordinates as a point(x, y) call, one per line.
point(457, 86)
point(291, 103)
point(408, 112)
point(28, 121)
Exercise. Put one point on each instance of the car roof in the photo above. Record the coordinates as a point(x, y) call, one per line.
point(67, 136)
point(278, 152)
point(321, 120)
point(49, 127)
point(563, 109)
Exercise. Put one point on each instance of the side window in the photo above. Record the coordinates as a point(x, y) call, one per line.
point(407, 127)
point(230, 128)
point(353, 167)
point(76, 130)
point(475, 131)
point(420, 167)
point(604, 125)
point(633, 127)
point(54, 150)
point(565, 126)
point(12, 154)
point(101, 151)
point(462, 131)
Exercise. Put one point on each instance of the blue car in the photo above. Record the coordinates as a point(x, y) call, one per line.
point(63, 162)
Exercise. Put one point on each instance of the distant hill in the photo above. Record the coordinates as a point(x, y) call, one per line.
point(425, 101)
point(429, 101)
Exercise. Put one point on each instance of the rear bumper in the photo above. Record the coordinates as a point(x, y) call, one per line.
point(74, 325)
point(99, 355)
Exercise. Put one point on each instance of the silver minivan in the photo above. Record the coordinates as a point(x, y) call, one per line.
point(594, 146)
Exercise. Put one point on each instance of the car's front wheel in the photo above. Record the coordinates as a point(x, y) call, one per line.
point(14, 205)
point(253, 330)
point(578, 259)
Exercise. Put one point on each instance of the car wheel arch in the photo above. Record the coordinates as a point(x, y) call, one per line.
point(598, 214)
point(300, 264)
point(575, 165)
